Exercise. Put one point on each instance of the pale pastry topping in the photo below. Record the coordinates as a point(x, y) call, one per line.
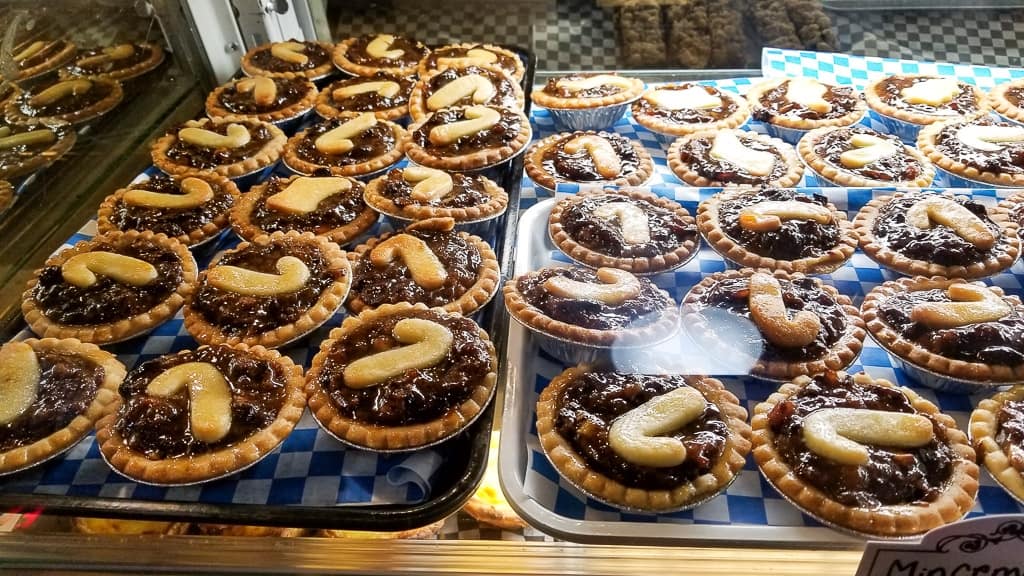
point(81, 270)
point(474, 57)
point(304, 194)
point(292, 276)
point(119, 52)
point(768, 311)
point(631, 218)
point(197, 193)
point(61, 90)
point(338, 140)
point(29, 51)
point(209, 397)
point(972, 304)
point(809, 93)
point(289, 52)
point(768, 216)
point(236, 137)
point(606, 160)
point(932, 92)
point(30, 138)
point(426, 344)
point(636, 436)
point(385, 88)
point(590, 82)
point(424, 266)
point(429, 184)
point(378, 47)
point(19, 380)
point(475, 85)
point(840, 434)
point(692, 98)
point(478, 118)
point(952, 214)
point(729, 148)
point(866, 150)
point(989, 138)
point(264, 90)
point(616, 287)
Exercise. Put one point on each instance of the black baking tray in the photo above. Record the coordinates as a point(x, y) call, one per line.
point(465, 455)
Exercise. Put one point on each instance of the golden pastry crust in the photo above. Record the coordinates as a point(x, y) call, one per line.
point(424, 68)
point(864, 224)
point(329, 302)
point(250, 531)
point(851, 179)
point(926, 143)
point(500, 516)
point(839, 355)
point(389, 158)
point(268, 155)
point(341, 60)
point(888, 521)
point(710, 226)
point(495, 206)
point(1013, 208)
point(214, 108)
point(217, 463)
point(542, 98)
point(48, 446)
point(125, 328)
point(419, 110)
point(325, 69)
point(574, 466)
point(422, 533)
point(534, 163)
point(241, 215)
point(483, 158)
point(664, 126)
point(53, 62)
point(380, 438)
point(91, 112)
point(326, 107)
point(477, 295)
point(194, 237)
point(156, 58)
point(6, 195)
point(46, 157)
point(638, 265)
point(114, 526)
point(784, 152)
point(848, 119)
point(998, 101)
point(912, 352)
point(983, 430)
point(876, 103)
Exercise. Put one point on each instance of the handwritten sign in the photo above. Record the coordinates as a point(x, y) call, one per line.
point(985, 546)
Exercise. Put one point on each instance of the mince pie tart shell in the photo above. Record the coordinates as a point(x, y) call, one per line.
point(999, 99)
point(13, 372)
point(382, 437)
point(424, 101)
point(422, 209)
point(892, 520)
point(262, 91)
point(388, 158)
point(984, 430)
point(484, 157)
point(216, 463)
point(251, 67)
point(535, 157)
point(879, 105)
point(35, 159)
point(124, 328)
point(710, 225)
point(29, 105)
point(669, 260)
point(507, 61)
point(331, 103)
point(784, 153)
point(630, 90)
point(575, 467)
point(851, 116)
point(655, 115)
point(267, 155)
point(59, 52)
point(103, 62)
point(847, 177)
point(342, 55)
point(927, 143)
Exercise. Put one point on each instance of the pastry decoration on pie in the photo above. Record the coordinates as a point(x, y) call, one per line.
point(33, 58)
point(464, 86)
point(488, 504)
point(734, 158)
point(349, 145)
point(466, 55)
point(681, 109)
point(111, 288)
point(118, 62)
point(805, 104)
point(190, 207)
point(857, 156)
point(982, 150)
point(773, 324)
point(919, 100)
point(629, 229)
point(328, 206)
point(231, 147)
point(426, 262)
point(937, 235)
point(198, 415)
point(74, 100)
point(366, 372)
point(290, 59)
point(366, 55)
point(32, 145)
point(585, 90)
point(777, 229)
point(84, 525)
point(384, 94)
point(963, 330)
point(6, 195)
point(1005, 99)
point(263, 98)
point(863, 455)
point(588, 158)
point(646, 442)
point(997, 433)
point(269, 292)
point(420, 193)
point(467, 137)
point(53, 392)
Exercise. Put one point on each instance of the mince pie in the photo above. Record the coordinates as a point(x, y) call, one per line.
point(401, 377)
point(420, 193)
point(857, 156)
point(937, 235)
point(74, 100)
point(203, 414)
point(588, 157)
point(464, 86)
point(805, 104)
point(918, 100)
point(231, 147)
point(328, 206)
point(269, 292)
point(372, 53)
point(997, 432)
point(595, 428)
point(627, 229)
point(780, 325)
point(467, 137)
point(384, 94)
point(292, 59)
point(734, 158)
point(981, 150)
point(864, 455)
point(111, 288)
point(466, 55)
point(191, 207)
point(118, 62)
point(777, 229)
point(54, 391)
point(33, 145)
point(583, 91)
point(1006, 100)
point(427, 262)
point(349, 145)
point(37, 57)
point(680, 109)
point(262, 98)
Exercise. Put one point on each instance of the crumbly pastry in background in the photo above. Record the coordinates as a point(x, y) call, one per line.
point(812, 24)
point(688, 34)
point(725, 22)
point(639, 45)
point(774, 25)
